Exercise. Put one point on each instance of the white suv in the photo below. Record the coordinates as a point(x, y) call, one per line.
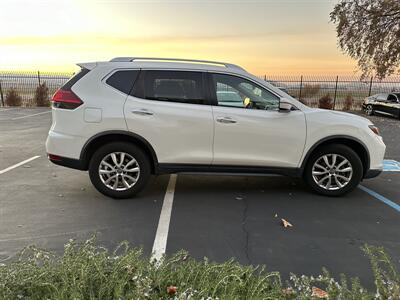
point(129, 118)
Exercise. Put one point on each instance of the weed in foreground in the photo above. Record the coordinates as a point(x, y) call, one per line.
point(88, 271)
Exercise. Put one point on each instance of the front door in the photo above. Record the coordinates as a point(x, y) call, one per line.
point(252, 131)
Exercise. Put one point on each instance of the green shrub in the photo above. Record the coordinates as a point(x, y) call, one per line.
point(88, 271)
point(42, 95)
point(13, 98)
point(325, 102)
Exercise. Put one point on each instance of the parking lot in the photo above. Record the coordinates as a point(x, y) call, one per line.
point(215, 216)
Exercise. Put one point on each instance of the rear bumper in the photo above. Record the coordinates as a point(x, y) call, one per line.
point(372, 173)
point(72, 163)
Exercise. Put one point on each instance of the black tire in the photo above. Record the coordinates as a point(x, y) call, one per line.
point(348, 154)
point(131, 149)
point(369, 110)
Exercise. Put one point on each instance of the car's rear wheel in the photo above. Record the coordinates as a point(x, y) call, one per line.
point(333, 170)
point(119, 170)
point(369, 110)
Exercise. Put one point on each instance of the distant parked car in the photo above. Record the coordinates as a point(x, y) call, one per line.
point(385, 103)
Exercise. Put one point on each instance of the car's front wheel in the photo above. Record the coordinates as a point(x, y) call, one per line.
point(333, 170)
point(369, 110)
point(119, 170)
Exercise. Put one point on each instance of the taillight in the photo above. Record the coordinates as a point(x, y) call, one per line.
point(66, 99)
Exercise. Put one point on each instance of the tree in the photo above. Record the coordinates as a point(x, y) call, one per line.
point(369, 31)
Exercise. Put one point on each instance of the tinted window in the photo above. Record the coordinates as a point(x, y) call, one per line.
point(74, 79)
point(392, 98)
point(381, 97)
point(238, 92)
point(174, 86)
point(123, 80)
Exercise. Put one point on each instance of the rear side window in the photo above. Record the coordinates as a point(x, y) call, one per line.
point(123, 80)
point(172, 86)
point(74, 79)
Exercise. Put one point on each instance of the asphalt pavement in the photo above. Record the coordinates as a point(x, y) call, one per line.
point(219, 217)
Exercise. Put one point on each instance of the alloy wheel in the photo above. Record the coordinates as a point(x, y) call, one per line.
point(119, 171)
point(332, 171)
point(368, 110)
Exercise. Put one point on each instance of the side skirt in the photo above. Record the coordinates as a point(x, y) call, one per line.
point(245, 170)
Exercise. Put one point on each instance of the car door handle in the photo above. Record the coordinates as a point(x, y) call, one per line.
point(226, 120)
point(142, 112)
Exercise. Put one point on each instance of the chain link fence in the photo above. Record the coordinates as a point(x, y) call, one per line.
point(344, 92)
point(26, 83)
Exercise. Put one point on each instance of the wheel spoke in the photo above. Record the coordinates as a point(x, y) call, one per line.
point(342, 163)
point(343, 177)
point(114, 158)
point(136, 169)
point(328, 185)
point(326, 160)
point(323, 179)
point(334, 156)
point(107, 164)
point(338, 183)
point(319, 172)
point(348, 169)
point(122, 159)
point(109, 179)
point(321, 167)
point(130, 178)
point(106, 171)
point(126, 184)
point(132, 161)
point(115, 186)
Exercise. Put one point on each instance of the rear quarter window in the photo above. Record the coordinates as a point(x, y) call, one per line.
point(123, 80)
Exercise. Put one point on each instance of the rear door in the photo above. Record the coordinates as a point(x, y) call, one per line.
point(169, 109)
point(254, 132)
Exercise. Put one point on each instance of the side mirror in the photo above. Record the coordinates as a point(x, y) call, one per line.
point(285, 106)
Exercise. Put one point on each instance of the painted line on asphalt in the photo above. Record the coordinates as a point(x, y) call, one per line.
point(28, 116)
point(380, 197)
point(18, 164)
point(391, 165)
point(160, 241)
point(7, 109)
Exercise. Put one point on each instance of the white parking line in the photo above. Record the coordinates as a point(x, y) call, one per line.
point(7, 109)
point(160, 241)
point(18, 164)
point(41, 113)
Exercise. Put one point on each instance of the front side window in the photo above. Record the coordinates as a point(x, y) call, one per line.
point(235, 91)
point(174, 86)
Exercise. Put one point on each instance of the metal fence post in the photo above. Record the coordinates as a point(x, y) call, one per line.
point(38, 76)
point(265, 77)
point(1, 94)
point(334, 97)
point(301, 86)
point(370, 86)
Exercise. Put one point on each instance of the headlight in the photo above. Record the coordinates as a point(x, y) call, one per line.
point(374, 129)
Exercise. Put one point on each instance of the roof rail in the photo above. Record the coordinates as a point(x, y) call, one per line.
point(130, 59)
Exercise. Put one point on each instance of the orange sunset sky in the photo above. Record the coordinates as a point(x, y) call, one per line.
point(282, 37)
